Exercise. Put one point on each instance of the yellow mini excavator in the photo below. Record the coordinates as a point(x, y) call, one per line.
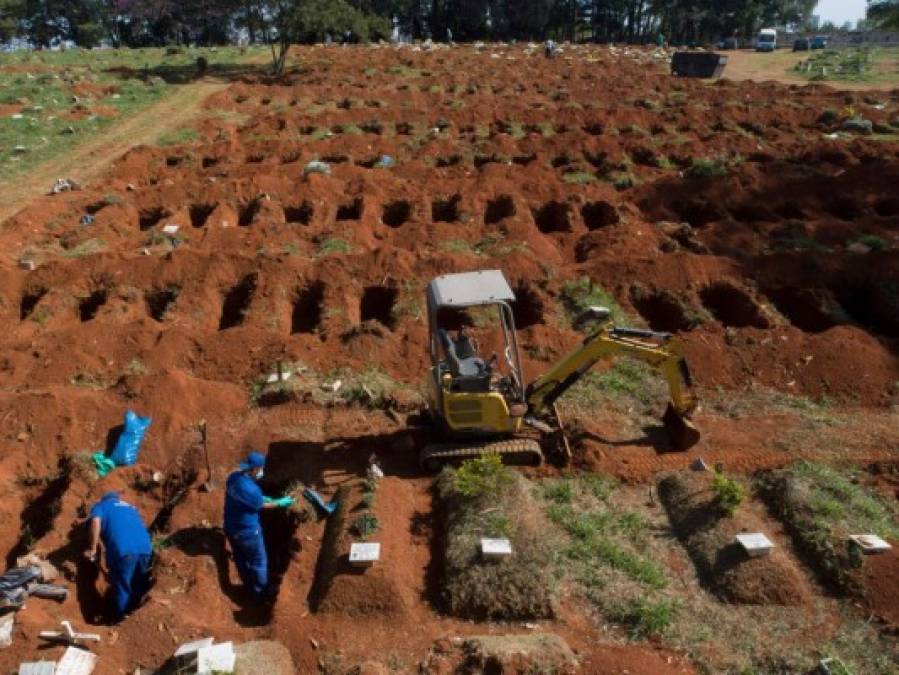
point(484, 406)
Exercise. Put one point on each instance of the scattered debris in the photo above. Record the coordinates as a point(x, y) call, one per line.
point(87, 219)
point(171, 228)
point(699, 464)
point(859, 125)
point(332, 387)
point(27, 264)
point(68, 635)
point(64, 185)
point(316, 166)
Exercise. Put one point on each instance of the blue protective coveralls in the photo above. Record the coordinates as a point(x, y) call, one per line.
point(128, 551)
point(243, 502)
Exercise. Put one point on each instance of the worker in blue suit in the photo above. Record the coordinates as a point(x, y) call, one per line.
point(243, 502)
point(128, 551)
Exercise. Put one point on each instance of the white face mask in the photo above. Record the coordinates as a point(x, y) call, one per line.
point(259, 474)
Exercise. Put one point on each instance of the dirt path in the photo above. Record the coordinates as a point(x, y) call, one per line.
point(88, 160)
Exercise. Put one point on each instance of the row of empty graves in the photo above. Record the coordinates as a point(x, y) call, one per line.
point(550, 217)
point(376, 303)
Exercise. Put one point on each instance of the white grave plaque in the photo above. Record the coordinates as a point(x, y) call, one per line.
point(870, 543)
point(76, 662)
point(755, 544)
point(495, 549)
point(216, 659)
point(365, 554)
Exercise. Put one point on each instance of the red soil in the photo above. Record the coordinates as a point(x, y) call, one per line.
point(880, 580)
point(181, 333)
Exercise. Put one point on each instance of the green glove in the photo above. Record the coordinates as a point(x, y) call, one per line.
point(268, 501)
point(284, 502)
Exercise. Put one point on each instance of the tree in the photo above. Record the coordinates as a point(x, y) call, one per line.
point(884, 13)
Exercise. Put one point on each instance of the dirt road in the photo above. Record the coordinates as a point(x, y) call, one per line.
point(88, 160)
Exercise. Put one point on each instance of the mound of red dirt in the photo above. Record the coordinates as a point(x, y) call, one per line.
point(879, 577)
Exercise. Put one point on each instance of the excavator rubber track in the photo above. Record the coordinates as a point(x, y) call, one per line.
point(518, 451)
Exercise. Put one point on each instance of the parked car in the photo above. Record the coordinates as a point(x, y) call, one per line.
point(802, 45)
point(819, 42)
point(729, 43)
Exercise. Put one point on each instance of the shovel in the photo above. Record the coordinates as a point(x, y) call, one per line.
point(317, 500)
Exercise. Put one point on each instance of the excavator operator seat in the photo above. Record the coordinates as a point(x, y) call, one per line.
point(470, 373)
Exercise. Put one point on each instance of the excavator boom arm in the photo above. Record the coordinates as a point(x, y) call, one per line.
point(658, 350)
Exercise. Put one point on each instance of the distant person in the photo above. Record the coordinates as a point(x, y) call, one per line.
point(549, 48)
point(129, 551)
point(660, 40)
point(243, 502)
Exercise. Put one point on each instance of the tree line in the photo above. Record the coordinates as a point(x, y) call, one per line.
point(137, 23)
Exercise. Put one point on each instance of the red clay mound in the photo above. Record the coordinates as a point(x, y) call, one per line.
point(879, 577)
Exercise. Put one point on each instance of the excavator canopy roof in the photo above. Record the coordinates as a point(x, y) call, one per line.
point(469, 289)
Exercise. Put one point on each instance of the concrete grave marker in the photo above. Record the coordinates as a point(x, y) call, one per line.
point(365, 554)
point(76, 662)
point(38, 668)
point(870, 543)
point(496, 549)
point(755, 544)
point(193, 647)
point(216, 659)
point(6, 625)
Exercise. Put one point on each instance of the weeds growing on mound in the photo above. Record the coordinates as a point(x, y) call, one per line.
point(484, 499)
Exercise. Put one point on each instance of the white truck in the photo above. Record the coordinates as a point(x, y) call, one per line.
point(766, 40)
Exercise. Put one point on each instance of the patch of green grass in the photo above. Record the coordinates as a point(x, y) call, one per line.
point(372, 388)
point(644, 618)
point(456, 246)
point(580, 294)
point(334, 245)
point(485, 476)
point(707, 168)
point(578, 178)
point(728, 493)
point(178, 137)
point(136, 367)
point(42, 83)
point(88, 247)
point(874, 242)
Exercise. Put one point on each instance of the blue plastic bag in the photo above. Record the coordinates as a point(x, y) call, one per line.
point(128, 445)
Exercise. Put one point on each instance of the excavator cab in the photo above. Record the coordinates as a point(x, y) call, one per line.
point(482, 403)
point(472, 392)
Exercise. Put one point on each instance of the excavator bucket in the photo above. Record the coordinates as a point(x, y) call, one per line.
point(682, 433)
